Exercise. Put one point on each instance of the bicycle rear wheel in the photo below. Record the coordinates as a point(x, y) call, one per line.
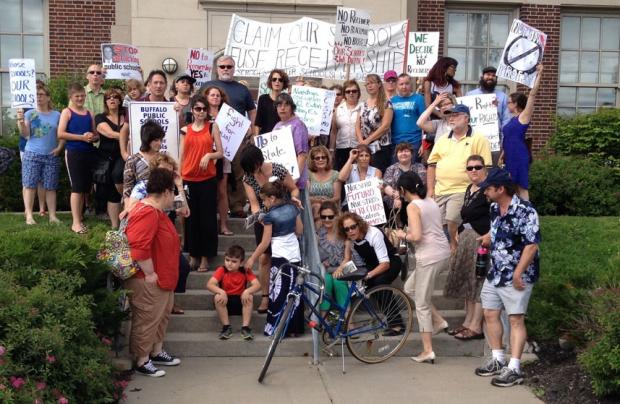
point(277, 336)
point(379, 324)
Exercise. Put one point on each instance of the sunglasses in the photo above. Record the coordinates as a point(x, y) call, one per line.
point(226, 67)
point(338, 94)
point(277, 79)
point(350, 228)
point(112, 98)
point(95, 72)
point(319, 158)
point(472, 168)
point(327, 217)
point(351, 92)
point(200, 109)
point(391, 81)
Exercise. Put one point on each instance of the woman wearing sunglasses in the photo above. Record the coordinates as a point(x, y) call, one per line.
point(462, 282)
point(266, 114)
point(201, 146)
point(323, 184)
point(343, 139)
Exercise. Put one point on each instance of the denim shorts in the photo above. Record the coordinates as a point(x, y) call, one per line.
point(506, 297)
point(40, 168)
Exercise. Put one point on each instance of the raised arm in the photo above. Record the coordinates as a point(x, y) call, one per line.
point(526, 115)
point(424, 121)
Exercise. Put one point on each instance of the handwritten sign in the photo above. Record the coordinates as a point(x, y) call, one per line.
point(483, 116)
point(351, 36)
point(364, 198)
point(161, 112)
point(422, 53)
point(523, 51)
point(278, 146)
point(199, 65)
point(305, 48)
point(23, 83)
point(121, 61)
point(233, 127)
point(315, 107)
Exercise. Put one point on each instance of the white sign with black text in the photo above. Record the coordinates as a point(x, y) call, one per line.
point(161, 112)
point(278, 147)
point(233, 128)
point(523, 51)
point(364, 198)
point(23, 83)
point(422, 52)
point(351, 36)
point(483, 116)
point(315, 107)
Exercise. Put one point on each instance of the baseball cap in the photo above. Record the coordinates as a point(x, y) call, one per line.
point(390, 74)
point(458, 108)
point(187, 77)
point(489, 69)
point(496, 177)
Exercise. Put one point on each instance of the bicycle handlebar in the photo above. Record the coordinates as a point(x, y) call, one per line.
point(303, 271)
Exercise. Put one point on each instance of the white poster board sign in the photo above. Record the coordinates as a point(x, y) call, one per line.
point(233, 127)
point(121, 61)
point(483, 116)
point(422, 53)
point(351, 36)
point(278, 147)
point(199, 65)
point(523, 51)
point(161, 112)
point(315, 107)
point(23, 83)
point(306, 48)
point(364, 198)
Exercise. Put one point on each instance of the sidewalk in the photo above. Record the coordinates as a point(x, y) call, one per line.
point(294, 380)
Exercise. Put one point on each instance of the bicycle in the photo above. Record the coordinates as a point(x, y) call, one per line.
point(375, 328)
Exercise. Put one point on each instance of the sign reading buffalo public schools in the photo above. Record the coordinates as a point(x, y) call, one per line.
point(23, 83)
point(161, 112)
point(120, 61)
point(523, 51)
point(351, 36)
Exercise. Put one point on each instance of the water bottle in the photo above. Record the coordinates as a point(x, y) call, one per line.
point(482, 259)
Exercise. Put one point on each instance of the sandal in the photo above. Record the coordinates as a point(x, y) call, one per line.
point(457, 330)
point(227, 233)
point(82, 230)
point(177, 310)
point(263, 311)
point(468, 334)
point(202, 269)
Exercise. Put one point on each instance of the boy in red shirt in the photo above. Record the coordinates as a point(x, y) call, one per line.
point(233, 296)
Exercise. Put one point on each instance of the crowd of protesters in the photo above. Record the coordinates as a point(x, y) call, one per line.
point(436, 174)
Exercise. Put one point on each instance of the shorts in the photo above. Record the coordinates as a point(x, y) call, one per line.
point(506, 297)
point(40, 168)
point(80, 166)
point(450, 206)
point(116, 170)
point(234, 306)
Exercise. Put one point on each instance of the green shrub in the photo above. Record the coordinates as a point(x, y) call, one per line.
point(574, 186)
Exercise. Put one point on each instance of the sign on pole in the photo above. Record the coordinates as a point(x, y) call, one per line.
point(233, 127)
point(23, 83)
point(121, 61)
point(315, 107)
point(483, 116)
point(523, 51)
point(161, 112)
point(199, 65)
point(351, 36)
point(364, 198)
point(422, 53)
point(278, 147)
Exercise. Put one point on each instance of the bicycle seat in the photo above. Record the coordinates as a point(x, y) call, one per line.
point(354, 276)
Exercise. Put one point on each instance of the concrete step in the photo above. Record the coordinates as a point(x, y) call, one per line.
point(207, 320)
point(208, 344)
point(237, 226)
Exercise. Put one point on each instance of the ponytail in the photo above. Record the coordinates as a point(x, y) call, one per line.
point(412, 182)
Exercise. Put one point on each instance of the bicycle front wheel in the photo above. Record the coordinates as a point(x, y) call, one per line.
point(277, 336)
point(379, 324)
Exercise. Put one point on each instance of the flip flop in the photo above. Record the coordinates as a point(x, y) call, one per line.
point(177, 310)
point(227, 233)
point(457, 330)
point(202, 269)
point(83, 230)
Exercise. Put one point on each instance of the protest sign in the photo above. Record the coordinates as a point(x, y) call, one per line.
point(351, 36)
point(523, 51)
point(364, 198)
point(483, 116)
point(121, 61)
point(278, 147)
point(233, 127)
point(199, 65)
point(422, 52)
point(23, 83)
point(263, 88)
point(305, 48)
point(315, 107)
point(161, 112)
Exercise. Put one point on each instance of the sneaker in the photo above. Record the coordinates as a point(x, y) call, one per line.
point(148, 369)
point(165, 359)
point(491, 368)
point(226, 333)
point(246, 334)
point(508, 377)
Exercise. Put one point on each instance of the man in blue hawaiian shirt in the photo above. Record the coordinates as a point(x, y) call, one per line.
point(513, 239)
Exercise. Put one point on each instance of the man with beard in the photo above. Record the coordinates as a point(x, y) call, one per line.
point(488, 82)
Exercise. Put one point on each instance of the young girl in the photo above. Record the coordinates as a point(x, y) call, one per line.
point(135, 90)
point(282, 224)
point(77, 127)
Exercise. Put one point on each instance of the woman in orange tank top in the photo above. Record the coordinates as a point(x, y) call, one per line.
point(201, 146)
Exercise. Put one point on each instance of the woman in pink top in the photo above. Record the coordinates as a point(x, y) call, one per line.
point(432, 253)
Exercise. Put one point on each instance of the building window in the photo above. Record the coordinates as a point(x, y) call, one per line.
point(589, 69)
point(476, 39)
point(21, 36)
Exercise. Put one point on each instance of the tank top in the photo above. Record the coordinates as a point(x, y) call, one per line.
point(325, 188)
point(433, 246)
point(78, 125)
point(195, 146)
point(371, 172)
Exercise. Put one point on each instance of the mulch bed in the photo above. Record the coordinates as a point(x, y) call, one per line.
point(557, 378)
